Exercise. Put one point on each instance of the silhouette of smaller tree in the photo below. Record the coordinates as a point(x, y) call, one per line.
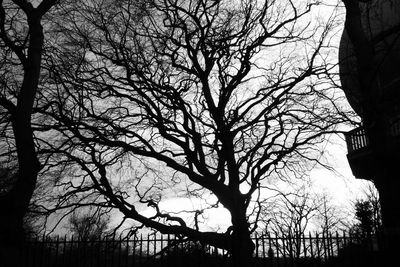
point(364, 215)
point(90, 225)
point(368, 212)
point(368, 222)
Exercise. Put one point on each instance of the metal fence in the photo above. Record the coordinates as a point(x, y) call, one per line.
point(357, 139)
point(328, 249)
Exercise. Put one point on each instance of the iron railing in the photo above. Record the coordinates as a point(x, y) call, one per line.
point(328, 249)
point(356, 140)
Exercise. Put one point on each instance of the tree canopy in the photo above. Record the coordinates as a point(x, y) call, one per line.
point(140, 99)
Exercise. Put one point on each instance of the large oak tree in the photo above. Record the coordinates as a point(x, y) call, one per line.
point(210, 98)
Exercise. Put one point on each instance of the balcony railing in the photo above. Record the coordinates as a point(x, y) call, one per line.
point(356, 139)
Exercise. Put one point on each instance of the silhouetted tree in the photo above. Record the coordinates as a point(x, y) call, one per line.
point(368, 213)
point(89, 225)
point(213, 98)
point(364, 215)
point(332, 217)
point(21, 44)
point(293, 213)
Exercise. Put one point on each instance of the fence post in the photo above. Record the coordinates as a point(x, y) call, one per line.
point(134, 251)
point(105, 250)
point(270, 250)
point(127, 252)
point(148, 247)
point(82, 251)
point(57, 245)
point(71, 250)
point(161, 249)
point(257, 244)
point(263, 246)
point(337, 243)
point(331, 244)
point(42, 248)
point(326, 251)
point(277, 248)
point(284, 250)
point(168, 249)
point(311, 246)
point(344, 239)
point(155, 245)
point(119, 251)
point(64, 249)
point(111, 249)
point(141, 250)
point(318, 249)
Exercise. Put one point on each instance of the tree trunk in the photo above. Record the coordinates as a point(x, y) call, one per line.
point(15, 203)
point(242, 246)
point(242, 250)
point(12, 234)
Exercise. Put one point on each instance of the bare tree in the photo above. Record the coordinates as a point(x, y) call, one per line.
point(213, 98)
point(21, 44)
point(367, 212)
point(291, 216)
point(297, 211)
point(292, 212)
point(90, 224)
point(332, 217)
